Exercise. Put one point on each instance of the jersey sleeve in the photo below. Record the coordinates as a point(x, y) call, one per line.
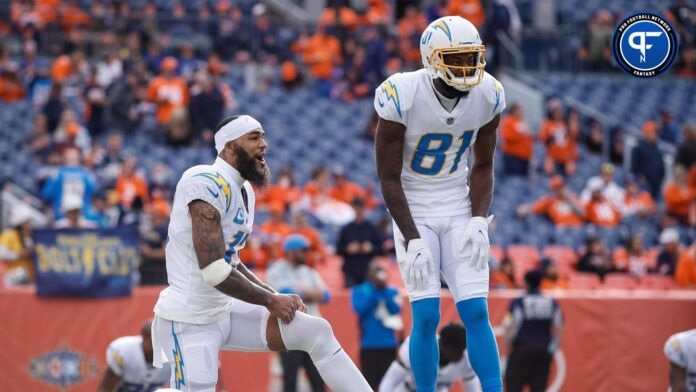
point(207, 186)
point(389, 99)
point(495, 95)
point(675, 352)
point(114, 359)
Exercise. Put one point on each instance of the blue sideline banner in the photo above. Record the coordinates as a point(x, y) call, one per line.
point(86, 262)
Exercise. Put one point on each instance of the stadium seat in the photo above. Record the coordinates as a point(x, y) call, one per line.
point(584, 281)
point(657, 282)
point(619, 281)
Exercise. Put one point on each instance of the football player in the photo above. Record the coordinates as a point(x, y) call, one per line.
point(454, 364)
point(428, 122)
point(680, 350)
point(129, 364)
point(213, 302)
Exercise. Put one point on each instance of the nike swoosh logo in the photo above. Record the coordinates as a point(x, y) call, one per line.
point(480, 232)
point(215, 194)
point(381, 104)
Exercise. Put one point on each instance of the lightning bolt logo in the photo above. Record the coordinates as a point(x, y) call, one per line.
point(389, 90)
point(222, 184)
point(442, 25)
point(178, 362)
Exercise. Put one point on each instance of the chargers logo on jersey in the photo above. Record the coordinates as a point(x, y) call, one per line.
point(498, 89)
point(222, 185)
point(390, 92)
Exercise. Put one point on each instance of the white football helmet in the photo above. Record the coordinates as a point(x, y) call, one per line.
point(453, 35)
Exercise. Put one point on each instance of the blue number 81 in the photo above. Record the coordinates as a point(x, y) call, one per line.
point(427, 147)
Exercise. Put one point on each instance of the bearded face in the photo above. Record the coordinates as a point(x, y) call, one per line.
point(252, 166)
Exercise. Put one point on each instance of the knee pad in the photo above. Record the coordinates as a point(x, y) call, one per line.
point(426, 315)
point(310, 334)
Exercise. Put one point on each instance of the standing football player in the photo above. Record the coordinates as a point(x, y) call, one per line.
point(213, 302)
point(428, 121)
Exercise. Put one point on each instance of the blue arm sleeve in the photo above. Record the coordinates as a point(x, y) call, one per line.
point(364, 301)
point(286, 291)
point(392, 306)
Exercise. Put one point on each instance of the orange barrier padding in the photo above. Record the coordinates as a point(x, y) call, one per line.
point(612, 342)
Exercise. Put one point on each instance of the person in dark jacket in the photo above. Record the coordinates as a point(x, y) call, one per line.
point(646, 160)
point(206, 107)
point(358, 242)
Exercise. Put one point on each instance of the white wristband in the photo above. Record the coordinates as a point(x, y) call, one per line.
point(215, 272)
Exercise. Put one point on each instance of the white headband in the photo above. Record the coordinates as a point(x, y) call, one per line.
point(235, 129)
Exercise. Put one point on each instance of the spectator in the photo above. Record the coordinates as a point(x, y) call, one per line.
point(436, 10)
point(668, 131)
point(633, 258)
point(54, 107)
point(71, 134)
point(471, 10)
point(668, 256)
point(596, 51)
point(317, 252)
point(102, 212)
point(95, 105)
point(207, 106)
point(679, 199)
point(358, 242)
point(377, 306)
point(518, 142)
point(600, 211)
point(595, 139)
point(348, 192)
point(561, 152)
point(646, 160)
point(608, 187)
point(686, 267)
point(532, 337)
point(130, 184)
point(637, 202)
point(561, 206)
point(550, 279)
point(283, 193)
point(275, 230)
point(686, 153)
point(127, 103)
point(322, 52)
point(40, 142)
point(72, 208)
point(171, 94)
point(17, 248)
point(503, 277)
point(153, 269)
point(292, 276)
point(596, 258)
point(108, 164)
point(11, 89)
point(71, 179)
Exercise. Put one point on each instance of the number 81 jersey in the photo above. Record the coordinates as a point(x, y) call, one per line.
point(436, 143)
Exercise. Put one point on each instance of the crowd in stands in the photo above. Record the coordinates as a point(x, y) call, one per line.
point(99, 73)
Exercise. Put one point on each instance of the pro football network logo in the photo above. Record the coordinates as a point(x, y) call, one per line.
point(645, 45)
point(63, 368)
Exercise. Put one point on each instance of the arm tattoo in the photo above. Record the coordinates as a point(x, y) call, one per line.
point(389, 148)
point(209, 244)
point(481, 178)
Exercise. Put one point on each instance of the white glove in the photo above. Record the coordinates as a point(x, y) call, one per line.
point(417, 265)
point(476, 233)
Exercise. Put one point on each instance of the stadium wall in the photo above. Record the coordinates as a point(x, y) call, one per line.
point(612, 342)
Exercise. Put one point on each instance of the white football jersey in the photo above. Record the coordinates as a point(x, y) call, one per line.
point(188, 299)
point(434, 175)
point(680, 349)
point(446, 375)
point(125, 357)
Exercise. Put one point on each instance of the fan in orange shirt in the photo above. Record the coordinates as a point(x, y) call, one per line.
point(637, 201)
point(686, 267)
point(130, 184)
point(561, 152)
point(322, 53)
point(550, 277)
point(317, 252)
point(168, 91)
point(11, 89)
point(518, 142)
point(348, 191)
point(503, 277)
point(471, 10)
point(347, 18)
point(275, 230)
point(283, 193)
point(561, 206)
point(678, 197)
point(601, 211)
